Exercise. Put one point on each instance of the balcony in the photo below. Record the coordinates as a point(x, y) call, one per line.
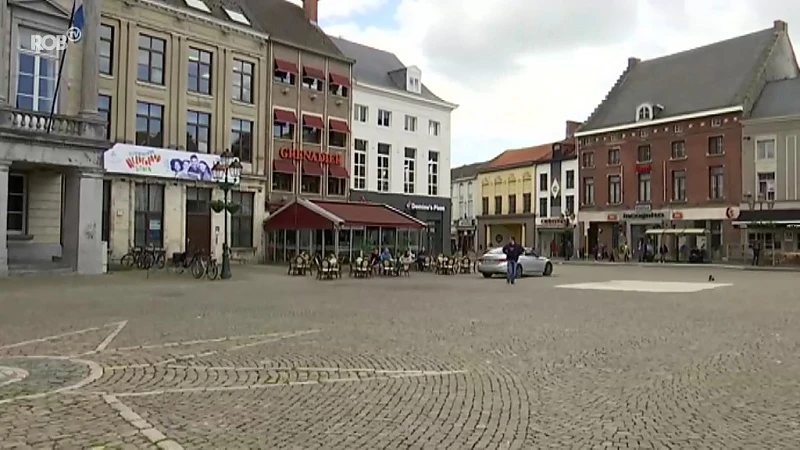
point(71, 140)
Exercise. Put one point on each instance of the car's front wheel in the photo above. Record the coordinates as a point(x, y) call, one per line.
point(486, 275)
point(519, 271)
point(548, 270)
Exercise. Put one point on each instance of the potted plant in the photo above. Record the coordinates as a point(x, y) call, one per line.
point(217, 206)
point(233, 208)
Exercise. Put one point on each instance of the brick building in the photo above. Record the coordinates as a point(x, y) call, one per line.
point(663, 149)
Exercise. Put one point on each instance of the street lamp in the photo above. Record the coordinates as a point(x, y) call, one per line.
point(226, 173)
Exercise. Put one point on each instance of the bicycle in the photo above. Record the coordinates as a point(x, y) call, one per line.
point(144, 258)
point(212, 269)
point(195, 264)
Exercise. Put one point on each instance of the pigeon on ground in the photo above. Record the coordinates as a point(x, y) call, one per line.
point(711, 278)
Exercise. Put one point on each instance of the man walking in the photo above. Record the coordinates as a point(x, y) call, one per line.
point(512, 251)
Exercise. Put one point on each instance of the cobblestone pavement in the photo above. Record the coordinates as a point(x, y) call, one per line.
point(269, 361)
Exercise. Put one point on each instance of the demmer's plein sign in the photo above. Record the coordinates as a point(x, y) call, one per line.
point(424, 207)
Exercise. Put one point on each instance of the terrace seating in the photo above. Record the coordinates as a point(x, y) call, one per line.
point(299, 265)
point(466, 265)
point(389, 268)
point(329, 269)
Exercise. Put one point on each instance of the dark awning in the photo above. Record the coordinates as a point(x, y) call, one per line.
point(284, 166)
point(764, 217)
point(339, 126)
point(338, 172)
point(313, 122)
point(286, 66)
point(340, 80)
point(312, 168)
point(305, 214)
point(313, 72)
point(284, 116)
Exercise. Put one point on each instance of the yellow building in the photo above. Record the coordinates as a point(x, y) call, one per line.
point(507, 184)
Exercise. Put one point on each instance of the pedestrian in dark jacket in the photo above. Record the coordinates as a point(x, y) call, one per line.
point(512, 251)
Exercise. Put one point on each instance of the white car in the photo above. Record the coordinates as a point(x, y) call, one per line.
point(494, 262)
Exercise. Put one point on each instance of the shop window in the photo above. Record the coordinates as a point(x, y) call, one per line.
point(149, 215)
point(310, 184)
point(336, 186)
point(282, 182)
point(242, 220)
point(105, 229)
point(17, 204)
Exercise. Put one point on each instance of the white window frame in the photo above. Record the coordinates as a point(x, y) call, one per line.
point(433, 172)
point(678, 194)
point(24, 203)
point(411, 123)
point(384, 175)
point(24, 36)
point(768, 184)
point(409, 171)
point(774, 140)
point(361, 113)
point(384, 118)
point(360, 166)
point(644, 112)
point(434, 128)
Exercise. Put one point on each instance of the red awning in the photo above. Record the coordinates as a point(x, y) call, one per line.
point(313, 72)
point(338, 171)
point(284, 166)
point(313, 169)
point(304, 214)
point(286, 66)
point(285, 116)
point(340, 80)
point(339, 126)
point(313, 122)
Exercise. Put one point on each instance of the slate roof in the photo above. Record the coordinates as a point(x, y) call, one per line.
point(280, 19)
point(373, 66)
point(778, 99)
point(519, 157)
point(466, 171)
point(705, 78)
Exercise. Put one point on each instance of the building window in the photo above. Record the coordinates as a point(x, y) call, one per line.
point(526, 203)
point(148, 229)
point(677, 129)
point(36, 75)
point(434, 128)
point(543, 207)
point(104, 109)
point(149, 124)
point(765, 149)
point(243, 81)
point(766, 186)
point(543, 187)
point(312, 82)
point(360, 113)
point(242, 220)
point(199, 68)
point(150, 68)
point(588, 191)
point(282, 181)
point(644, 112)
point(282, 130)
point(614, 190)
point(411, 123)
point(643, 154)
point(284, 72)
point(384, 159)
point(409, 165)
point(498, 204)
point(613, 156)
point(17, 204)
point(311, 184)
point(433, 173)
point(198, 131)
point(485, 206)
point(678, 150)
point(570, 204)
point(470, 206)
point(715, 145)
point(384, 118)
point(716, 122)
point(338, 90)
point(105, 50)
point(336, 186)
point(715, 183)
point(242, 139)
point(512, 204)
point(312, 133)
point(337, 139)
point(360, 164)
point(679, 185)
point(644, 187)
point(642, 133)
point(570, 179)
point(587, 160)
point(105, 221)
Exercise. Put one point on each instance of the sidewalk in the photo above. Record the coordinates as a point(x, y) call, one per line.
point(729, 266)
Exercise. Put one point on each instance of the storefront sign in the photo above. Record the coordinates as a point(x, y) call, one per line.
point(732, 213)
point(612, 218)
point(643, 215)
point(424, 207)
point(554, 222)
point(555, 189)
point(127, 159)
point(310, 156)
point(677, 215)
point(646, 168)
point(642, 207)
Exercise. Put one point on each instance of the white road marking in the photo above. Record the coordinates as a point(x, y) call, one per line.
point(661, 287)
point(149, 431)
point(103, 345)
point(50, 338)
point(195, 342)
point(95, 373)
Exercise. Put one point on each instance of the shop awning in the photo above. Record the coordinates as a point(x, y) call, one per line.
point(677, 231)
point(313, 72)
point(286, 66)
point(303, 214)
point(313, 122)
point(313, 169)
point(339, 126)
point(340, 80)
point(284, 166)
point(789, 218)
point(281, 115)
point(338, 172)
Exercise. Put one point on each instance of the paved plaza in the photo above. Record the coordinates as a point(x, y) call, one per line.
point(593, 357)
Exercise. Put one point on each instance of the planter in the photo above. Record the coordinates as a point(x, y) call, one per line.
point(217, 206)
point(233, 208)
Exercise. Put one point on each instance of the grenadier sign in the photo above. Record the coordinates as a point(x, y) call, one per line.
point(310, 156)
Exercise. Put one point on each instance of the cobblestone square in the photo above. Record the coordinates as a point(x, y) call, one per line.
point(427, 362)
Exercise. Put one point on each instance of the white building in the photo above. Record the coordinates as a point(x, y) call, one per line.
point(465, 192)
point(556, 196)
point(401, 147)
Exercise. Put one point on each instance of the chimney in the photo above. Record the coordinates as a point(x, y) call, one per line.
point(572, 127)
point(779, 25)
point(310, 8)
point(633, 61)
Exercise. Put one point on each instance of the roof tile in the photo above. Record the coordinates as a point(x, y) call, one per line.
point(519, 157)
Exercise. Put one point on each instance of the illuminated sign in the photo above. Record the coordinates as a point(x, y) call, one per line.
point(310, 156)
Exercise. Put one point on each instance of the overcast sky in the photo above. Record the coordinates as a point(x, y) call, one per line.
point(520, 68)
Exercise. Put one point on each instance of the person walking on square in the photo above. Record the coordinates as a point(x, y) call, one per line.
point(512, 250)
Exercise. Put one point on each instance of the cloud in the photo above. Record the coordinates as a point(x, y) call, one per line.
point(343, 9)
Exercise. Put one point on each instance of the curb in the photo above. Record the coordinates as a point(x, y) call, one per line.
point(680, 266)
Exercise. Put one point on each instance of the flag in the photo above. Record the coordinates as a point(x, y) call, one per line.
point(78, 20)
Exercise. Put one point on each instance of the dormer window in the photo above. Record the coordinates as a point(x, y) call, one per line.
point(644, 112)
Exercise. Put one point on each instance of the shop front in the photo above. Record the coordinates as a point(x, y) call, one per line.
point(464, 236)
point(434, 212)
point(777, 232)
point(555, 237)
point(497, 230)
point(160, 198)
point(342, 228)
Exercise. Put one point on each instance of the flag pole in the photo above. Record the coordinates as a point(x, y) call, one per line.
point(62, 59)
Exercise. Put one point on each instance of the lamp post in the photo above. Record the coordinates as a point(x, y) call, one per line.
point(226, 173)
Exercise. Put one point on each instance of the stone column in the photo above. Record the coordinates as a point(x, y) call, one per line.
point(83, 210)
point(90, 61)
point(3, 218)
point(5, 54)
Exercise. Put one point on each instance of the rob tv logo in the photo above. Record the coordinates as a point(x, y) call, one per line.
point(55, 42)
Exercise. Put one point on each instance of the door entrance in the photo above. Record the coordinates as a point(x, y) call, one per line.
point(198, 220)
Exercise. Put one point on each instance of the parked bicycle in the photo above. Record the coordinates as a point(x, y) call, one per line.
point(212, 269)
point(144, 258)
point(195, 263)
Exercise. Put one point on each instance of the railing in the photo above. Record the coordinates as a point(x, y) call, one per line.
point(37, 122)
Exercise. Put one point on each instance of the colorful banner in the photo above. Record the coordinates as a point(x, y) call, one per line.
point(138, 160)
